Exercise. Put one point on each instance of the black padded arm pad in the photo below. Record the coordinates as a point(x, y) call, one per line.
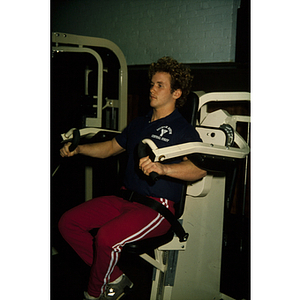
point(211, 162)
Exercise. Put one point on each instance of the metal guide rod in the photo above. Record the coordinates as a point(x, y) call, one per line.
point(63, 39)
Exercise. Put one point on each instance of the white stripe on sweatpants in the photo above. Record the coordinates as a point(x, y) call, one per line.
point(135, 237)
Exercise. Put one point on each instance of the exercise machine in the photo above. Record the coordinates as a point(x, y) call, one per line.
point(192, 269)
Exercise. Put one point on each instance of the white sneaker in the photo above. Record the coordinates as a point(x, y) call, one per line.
point(115, 291)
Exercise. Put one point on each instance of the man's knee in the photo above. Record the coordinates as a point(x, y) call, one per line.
point(104, 239)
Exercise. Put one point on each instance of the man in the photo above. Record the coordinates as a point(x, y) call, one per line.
point(120, 221)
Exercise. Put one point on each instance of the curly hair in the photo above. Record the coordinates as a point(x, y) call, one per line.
point(180, 76)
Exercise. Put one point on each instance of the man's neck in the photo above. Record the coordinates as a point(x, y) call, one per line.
point(159, 114)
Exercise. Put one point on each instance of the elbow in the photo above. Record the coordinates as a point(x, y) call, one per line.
point(196, 175)
point(200, 174)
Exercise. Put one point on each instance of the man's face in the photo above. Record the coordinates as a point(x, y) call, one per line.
point(160, 91)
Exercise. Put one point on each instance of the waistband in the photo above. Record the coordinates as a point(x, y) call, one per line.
point(157, 205)
point(133, 196)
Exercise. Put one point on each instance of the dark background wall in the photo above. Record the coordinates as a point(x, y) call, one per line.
point(192, 31)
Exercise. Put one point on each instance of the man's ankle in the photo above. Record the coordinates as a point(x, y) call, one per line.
point(117, 280)
point(87, 296)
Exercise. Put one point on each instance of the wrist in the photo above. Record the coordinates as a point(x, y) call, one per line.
point(78, 149)
point(166, 169)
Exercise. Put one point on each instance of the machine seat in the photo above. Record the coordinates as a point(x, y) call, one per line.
point(143, 246)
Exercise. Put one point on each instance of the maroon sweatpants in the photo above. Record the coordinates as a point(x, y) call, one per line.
point(119, 222)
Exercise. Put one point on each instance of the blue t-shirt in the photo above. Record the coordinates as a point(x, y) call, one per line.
point(168, 131)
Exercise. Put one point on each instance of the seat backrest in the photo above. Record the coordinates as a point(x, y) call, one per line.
point(189, 111)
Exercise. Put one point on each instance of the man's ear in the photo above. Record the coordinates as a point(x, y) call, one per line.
point(177, 93)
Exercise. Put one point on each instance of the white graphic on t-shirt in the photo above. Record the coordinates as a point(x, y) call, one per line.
point(163, 131)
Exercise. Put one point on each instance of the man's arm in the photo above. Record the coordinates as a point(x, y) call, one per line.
point(184, 170)
point(98, 150)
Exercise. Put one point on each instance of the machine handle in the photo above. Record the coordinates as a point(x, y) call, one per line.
point(143, 151)
point(75, 141)
point(74, 144)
